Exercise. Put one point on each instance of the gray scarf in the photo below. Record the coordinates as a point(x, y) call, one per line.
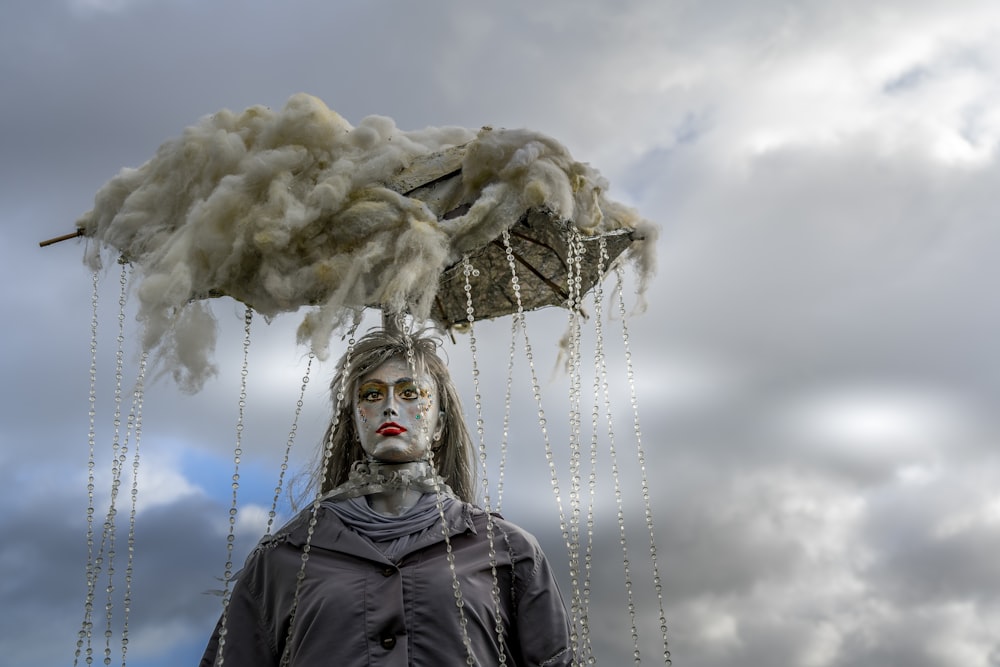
point(391, 534)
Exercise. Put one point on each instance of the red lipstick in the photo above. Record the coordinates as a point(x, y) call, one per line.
point(390, 428)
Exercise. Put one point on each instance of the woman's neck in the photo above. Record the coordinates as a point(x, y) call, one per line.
point(391, 488)
point(396, 501)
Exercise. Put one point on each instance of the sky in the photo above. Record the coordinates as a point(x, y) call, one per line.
point(815, 371)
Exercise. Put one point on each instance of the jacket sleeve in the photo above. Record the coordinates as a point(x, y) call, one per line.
point(543, 626)
point(248, 640)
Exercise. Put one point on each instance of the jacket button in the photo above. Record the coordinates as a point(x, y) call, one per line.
point(388, 571)
point(388, 642)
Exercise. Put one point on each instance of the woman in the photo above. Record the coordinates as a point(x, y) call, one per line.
point(372, 577)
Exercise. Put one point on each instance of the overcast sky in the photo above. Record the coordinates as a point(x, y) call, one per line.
point(817, 371)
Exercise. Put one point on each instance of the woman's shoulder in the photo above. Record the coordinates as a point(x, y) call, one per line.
point(513, 533)
point(296, 531)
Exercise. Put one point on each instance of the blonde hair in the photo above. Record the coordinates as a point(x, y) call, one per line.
point(453, 453)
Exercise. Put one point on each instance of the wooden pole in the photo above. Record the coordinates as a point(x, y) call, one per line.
point(65, 237)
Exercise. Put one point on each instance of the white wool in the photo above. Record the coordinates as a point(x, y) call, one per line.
point(296, 208)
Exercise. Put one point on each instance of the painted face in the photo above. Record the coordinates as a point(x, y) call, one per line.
point(396, 414)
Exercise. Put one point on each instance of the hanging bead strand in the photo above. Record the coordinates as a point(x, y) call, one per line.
point(138, 394)
point(288, 446)
point(234, 508)
point(572, 535)
point(468, 271)
point(506, 413)
point(641, 456)
point(519, 323)
point(456, 586)
point(470, 315)
point(599, 364)
point(86, 627)
point(117, 457)
point(619, 504)
point(300, 576)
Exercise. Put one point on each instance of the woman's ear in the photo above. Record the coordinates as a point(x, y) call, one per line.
point(439, 431)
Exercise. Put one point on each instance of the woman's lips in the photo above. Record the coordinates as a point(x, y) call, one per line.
point(390, 428)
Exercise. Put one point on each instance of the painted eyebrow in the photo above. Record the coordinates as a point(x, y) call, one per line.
point(378, 381)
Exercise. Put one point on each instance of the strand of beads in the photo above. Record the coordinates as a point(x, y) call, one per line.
point(586, 647)
point(86, 627)
point(456, 586)
point(233, 510)
point(506, 413)
point(468, 271)
point(520, 325)
point(619, 503)
point(117, 458)
point(135, 419)
point(300, 576)
point(641, 456)
point(574, 304)
point(288, 445)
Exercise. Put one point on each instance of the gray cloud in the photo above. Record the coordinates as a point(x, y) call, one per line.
point(825, 176)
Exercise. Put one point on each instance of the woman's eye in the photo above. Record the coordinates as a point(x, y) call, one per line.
point(408, 393)
point(371, 396)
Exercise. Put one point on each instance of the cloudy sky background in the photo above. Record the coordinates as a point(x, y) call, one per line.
point(816, 373)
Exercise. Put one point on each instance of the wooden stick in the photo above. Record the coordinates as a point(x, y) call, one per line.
point(64, 237)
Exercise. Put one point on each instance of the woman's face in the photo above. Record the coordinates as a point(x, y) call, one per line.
point(396, 415)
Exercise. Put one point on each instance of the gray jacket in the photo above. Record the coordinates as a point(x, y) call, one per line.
point(357, 608)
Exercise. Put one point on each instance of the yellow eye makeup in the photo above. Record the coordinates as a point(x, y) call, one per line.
point(405, 388)
point(371, 391)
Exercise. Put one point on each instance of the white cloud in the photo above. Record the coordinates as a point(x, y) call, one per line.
point(714, 626)
point(901, 424)
point(161, 481)
point(688, 380)
point(979, 514)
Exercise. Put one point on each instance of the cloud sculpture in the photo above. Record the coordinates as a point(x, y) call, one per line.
point(281, 210)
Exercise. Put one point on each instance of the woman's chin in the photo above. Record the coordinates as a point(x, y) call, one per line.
point(401, 453)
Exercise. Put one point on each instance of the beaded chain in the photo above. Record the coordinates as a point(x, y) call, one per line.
point(84, 635)
point(288, 445)
point(95, 562)
point(520, 325)
point(619, 503)
point(317, 500)
point(630, 373)
point(586, 649)
point(120, 447)
point(135, 421)
point(456, 586)
point(506, 414)
point(102, 558)
point(573, 305)
point(108, 538)
point(233, 510)
point(469, 271)
point(117, 456)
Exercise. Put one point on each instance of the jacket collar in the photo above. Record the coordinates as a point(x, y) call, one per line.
point(330, 532)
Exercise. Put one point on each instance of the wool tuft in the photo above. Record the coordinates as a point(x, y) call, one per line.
point(297, 208)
